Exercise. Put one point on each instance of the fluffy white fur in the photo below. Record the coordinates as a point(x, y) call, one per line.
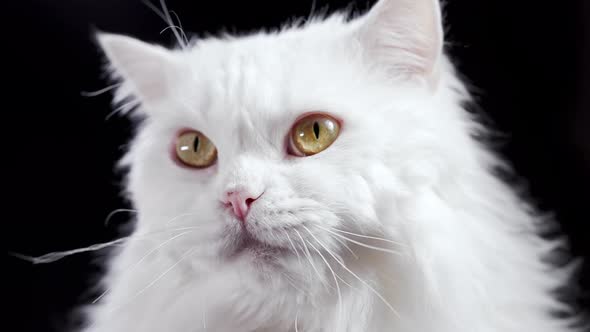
point(461, 251)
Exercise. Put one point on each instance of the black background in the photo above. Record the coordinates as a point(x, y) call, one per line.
point(529, 61)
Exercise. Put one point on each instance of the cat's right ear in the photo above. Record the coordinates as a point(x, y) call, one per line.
point(144, 70)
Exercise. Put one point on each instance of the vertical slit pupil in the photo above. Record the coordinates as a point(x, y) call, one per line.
point(316, 130)
point(196, 143)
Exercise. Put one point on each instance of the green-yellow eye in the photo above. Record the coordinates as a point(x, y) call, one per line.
point(313, 134)
point(193, 149)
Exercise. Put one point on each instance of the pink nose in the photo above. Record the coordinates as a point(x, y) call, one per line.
point(240, 202)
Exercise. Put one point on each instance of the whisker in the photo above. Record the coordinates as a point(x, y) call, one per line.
point(110, 215)
point(346, 246)
point(368, 237)
point(132, 267)
point(164, 14)
point(361, 243)
point(101, 91)
point(55, 256)
point(153, 282)
point(292, 283)
point(346, 283)
point(359, 279)
point(171, 22)
point(340, 308)
point(294, 248)
point(126, 106)
point(325, 261)
point(159, 231)
point(180, 26)
point(309, 258)
point(340, 278)
point(155, 10)
point(169, 27)
point(180, 216)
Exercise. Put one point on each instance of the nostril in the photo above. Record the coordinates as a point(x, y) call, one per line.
point(239, 202)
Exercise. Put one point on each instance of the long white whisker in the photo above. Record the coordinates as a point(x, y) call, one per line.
point(180, 216)
point(155, 10)
point(173, 229)
point(309, 258)
point(292, 283)
point(165, 15)
point(101, 91)
point(368, 237)
point(55, 256)
point(171, 22)
point(110, 215)
point(128, 105)
point(346, 283)
point(340, 308)
point(362, 244)
point(346, 246)
point(359, 279)
point(132, 267)
point(181, 28)
point(153, 282)
point(294, 248)
point(169, 27)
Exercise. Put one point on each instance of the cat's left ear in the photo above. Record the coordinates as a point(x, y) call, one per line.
point(404, 37)
point(146, 70)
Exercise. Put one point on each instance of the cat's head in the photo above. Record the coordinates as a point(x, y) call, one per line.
point(276, 145)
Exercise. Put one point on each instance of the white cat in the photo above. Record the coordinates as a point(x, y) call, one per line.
point(324, 177)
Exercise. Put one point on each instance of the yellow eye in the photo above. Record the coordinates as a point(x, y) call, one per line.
point(313, 134)
point(194, 149)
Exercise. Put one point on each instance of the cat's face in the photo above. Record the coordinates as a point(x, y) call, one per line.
point(259, 198)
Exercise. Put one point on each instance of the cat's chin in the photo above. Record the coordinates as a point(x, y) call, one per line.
point(246, 245)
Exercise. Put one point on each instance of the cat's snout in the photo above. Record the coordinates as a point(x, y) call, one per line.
point(240, 202)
